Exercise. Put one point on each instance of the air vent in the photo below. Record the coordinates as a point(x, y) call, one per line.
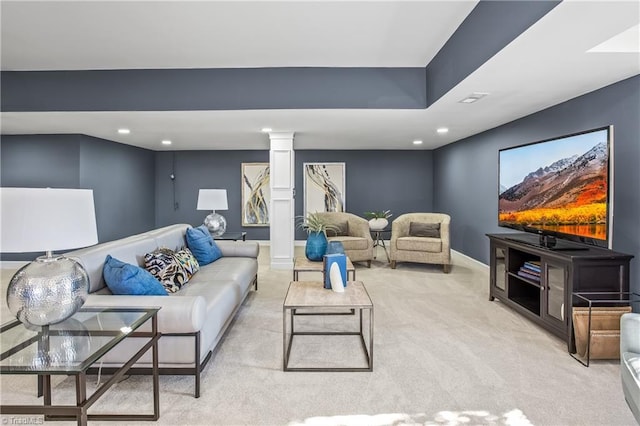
point(473, 97)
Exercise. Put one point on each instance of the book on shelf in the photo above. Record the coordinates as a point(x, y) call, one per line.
point(533, 266)
point(526, 274)
point(530, 271)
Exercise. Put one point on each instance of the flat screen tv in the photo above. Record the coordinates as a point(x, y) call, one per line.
point(559, 187)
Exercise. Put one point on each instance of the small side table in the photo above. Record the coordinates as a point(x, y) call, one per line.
point(232, 236)
point(378, 240)
point(592, 300)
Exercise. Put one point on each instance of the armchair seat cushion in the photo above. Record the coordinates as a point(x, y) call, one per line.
point(431, 245)
point(351, 243)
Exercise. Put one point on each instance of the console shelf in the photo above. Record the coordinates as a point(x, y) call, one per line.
point(539, 282)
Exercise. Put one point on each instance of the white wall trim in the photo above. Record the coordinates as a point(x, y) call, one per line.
point(471, 259)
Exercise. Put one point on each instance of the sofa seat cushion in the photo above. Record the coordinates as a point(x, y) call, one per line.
point(351, 243)
point(239, 270)
point(220, 297)
point(431, 245)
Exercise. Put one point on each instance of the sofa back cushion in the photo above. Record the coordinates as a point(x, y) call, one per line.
point(172, 237)
point(130, 250)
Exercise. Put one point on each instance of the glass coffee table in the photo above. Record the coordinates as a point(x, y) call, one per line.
point(70, 348)
point(313, 297)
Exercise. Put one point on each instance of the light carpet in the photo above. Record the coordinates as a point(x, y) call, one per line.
point(443, 355)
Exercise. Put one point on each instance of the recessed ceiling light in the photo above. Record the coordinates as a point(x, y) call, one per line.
point(266, 129)
point(417, 142)
point(473, 97)
point(124, 131)
point(166, 142)
point(442, 130)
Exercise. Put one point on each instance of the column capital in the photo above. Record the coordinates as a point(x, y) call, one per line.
point(281, 135)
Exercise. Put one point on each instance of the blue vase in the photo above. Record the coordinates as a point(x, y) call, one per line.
point(335, 247)
point(316, 246)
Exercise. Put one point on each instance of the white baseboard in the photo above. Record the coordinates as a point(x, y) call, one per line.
point(471, 259)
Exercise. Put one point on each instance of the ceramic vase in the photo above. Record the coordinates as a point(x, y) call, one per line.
point(316, 246)
point(335, 277)
point(378, 224)
point(334, 247)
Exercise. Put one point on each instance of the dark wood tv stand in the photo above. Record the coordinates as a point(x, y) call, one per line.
point(539, 282)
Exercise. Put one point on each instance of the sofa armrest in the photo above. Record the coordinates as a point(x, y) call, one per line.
point(630, 333)
point(239, 248)
point(178, 314)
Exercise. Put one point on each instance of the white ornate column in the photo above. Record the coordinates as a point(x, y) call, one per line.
point(282, 208)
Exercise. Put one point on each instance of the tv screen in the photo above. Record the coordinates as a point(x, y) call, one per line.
point(559, 187)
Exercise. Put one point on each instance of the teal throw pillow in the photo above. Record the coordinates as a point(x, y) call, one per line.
point(202, 246)
point(124, 278)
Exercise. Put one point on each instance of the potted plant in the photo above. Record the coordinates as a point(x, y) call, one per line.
point(378, 220)
point(316, 228)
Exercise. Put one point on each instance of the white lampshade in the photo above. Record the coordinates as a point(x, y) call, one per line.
point(212, 199)
point(39, 220)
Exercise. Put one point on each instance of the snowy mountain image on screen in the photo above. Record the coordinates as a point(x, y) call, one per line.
point(569, 182)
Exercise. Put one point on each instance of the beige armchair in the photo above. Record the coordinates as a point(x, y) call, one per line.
point(420, 242)
point(355, 235)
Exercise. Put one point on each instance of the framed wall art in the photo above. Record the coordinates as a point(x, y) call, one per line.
point(324, 187)
point(256, 194)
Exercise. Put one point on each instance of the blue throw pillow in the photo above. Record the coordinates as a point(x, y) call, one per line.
point(202, 246)
point(124, 278)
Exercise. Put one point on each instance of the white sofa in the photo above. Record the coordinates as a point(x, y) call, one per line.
point(630, 361)
point(193, 320)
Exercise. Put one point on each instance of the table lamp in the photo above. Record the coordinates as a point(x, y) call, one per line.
point(51, 288)
point(214, 199)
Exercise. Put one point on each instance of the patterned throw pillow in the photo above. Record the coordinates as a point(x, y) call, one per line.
point(188, 261)
point(164, 266)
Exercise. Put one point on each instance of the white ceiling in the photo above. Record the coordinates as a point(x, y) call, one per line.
point(546, 65)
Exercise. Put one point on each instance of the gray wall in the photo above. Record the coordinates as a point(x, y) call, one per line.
point(466, 172)
point(400, 181)
point(122, 179)
point(376, 180)
point(40, 161)
point(133, 190)
point(176, 200)
point(121, 176)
